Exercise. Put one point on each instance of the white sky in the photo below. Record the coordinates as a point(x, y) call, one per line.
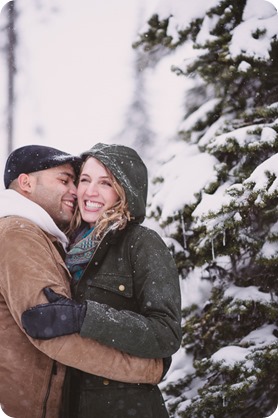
point(75, 75)
point(78, 85)
point(75, 71)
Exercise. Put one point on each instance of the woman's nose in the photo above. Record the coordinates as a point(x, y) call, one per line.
point(92, 189)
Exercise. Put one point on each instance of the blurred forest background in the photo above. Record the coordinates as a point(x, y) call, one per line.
point(198, 98)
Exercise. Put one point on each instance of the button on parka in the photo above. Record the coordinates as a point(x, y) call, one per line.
point(133, 297)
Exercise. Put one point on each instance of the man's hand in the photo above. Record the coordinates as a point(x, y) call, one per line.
point(62, 316)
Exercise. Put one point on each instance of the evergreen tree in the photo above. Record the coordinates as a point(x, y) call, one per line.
point(228, 224)
point(137, 132)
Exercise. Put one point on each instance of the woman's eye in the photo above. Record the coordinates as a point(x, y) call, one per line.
point(107, 183)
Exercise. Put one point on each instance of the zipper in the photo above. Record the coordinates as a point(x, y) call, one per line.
point(53, 372)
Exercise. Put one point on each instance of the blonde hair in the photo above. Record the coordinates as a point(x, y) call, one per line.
point(115, 217)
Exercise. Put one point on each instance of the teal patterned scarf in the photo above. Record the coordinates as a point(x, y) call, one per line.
point(80, 253)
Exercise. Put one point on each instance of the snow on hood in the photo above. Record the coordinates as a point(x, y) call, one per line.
point(128, 168)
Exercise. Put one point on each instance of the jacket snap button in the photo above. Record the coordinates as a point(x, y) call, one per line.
point(105, 382)
point(121, 287)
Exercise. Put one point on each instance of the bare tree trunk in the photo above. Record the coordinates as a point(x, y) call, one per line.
point(11, 37)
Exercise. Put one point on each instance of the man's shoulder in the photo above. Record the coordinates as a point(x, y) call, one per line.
point(14, 223)
point(18, 230)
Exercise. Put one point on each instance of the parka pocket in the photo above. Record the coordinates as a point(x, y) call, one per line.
point(120, 284)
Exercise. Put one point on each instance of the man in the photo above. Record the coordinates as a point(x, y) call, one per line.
point(35, 208)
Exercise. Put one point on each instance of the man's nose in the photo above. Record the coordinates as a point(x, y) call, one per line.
point(73, 189)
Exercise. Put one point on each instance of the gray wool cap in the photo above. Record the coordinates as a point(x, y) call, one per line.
point(130, 171)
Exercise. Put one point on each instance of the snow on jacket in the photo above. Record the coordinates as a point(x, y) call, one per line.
point(133, 294)
point(32, 371)
point(131, 285)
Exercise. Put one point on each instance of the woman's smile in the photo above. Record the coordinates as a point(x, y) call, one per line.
point(95, 192)
point(92, 205)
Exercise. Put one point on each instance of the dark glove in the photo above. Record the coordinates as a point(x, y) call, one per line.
point(62, 316)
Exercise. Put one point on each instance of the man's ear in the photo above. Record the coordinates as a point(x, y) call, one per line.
point(25, 182)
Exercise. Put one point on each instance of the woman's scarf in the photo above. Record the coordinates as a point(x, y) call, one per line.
point(81, 252)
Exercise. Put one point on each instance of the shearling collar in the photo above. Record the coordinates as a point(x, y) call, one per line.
point(14, 204)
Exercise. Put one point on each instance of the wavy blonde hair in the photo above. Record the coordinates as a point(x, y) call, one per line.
point(113, 218)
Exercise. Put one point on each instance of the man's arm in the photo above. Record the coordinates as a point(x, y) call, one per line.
point(30, 263)
point(155, 330)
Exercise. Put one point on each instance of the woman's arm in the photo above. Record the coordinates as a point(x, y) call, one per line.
point(155, 331)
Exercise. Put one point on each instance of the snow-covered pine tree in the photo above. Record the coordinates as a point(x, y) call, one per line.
point(137, 132)
point(216, 196)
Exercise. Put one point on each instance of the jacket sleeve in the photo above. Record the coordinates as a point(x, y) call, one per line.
point(156, 330)
point(29, 263)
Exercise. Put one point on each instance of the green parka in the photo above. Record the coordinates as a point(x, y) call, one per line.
point(131, 286)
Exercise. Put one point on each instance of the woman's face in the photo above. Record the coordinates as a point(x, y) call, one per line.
point(95, 192)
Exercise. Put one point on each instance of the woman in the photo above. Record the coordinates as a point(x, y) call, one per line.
point(125, 283)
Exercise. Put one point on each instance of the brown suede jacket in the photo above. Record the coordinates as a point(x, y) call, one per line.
point(32, 371)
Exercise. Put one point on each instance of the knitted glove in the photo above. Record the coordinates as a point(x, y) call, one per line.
point(62, 316)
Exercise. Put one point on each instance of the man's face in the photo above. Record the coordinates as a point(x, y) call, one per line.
point(55, 191)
